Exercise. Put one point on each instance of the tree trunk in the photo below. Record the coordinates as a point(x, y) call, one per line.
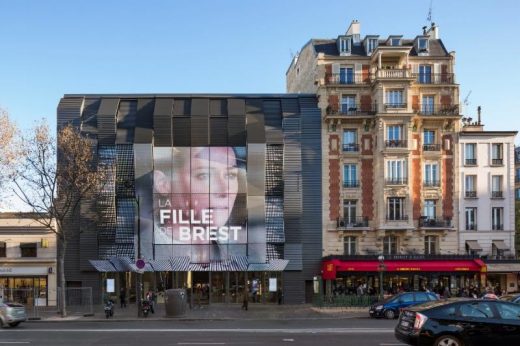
point(63, 284)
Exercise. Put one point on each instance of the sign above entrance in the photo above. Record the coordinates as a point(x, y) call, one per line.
point(9, 271)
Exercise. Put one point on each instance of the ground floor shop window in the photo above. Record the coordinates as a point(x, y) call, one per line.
point(29, 291)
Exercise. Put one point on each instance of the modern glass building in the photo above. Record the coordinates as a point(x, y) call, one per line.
point(220, 194)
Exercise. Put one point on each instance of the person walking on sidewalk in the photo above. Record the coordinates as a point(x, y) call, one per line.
point(245, 300)
point(122, 297)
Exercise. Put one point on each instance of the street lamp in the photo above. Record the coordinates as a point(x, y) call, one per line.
point(138, 281)
point(381, 268)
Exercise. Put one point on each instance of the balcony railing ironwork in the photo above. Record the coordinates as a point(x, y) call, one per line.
point(352, 110)
point(434, 78)
point(396, 217)
point(497, 227)
point(431, 183)
point(436, 109)
point(396, 143)
point(395, 73)
point(431, 147)
point(497, 194)
point(350, 183)
point(346, 78)
point(353, 222)
point(425, 221)
point(470, 162)
point(470, 194)
point(396, 181)
point(354, 147)
point(471, 227)
point(395, 105)
point(497, 162)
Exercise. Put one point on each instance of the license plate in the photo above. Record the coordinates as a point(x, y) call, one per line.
point(371, 311)
point(405, 323)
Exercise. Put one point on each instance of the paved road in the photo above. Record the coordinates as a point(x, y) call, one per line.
point(199, 333)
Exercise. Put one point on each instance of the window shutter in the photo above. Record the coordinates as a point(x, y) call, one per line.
point(357, 72)
point(415, 103)
point(415, 68)
point(445, 100)
point(366, 101)
point(436, 69)
point(335, 68)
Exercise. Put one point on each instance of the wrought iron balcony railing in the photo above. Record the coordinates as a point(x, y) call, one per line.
point(396, 143)
point(436, 109)
point(470, 194)
point(425, 222)
point(396, 73)
point(471, 227)
point(350, 147)
point(353, 222)
point(395, 105)
point(497, 227)
point(396, 181)
point(431, 183)
point(346, 78)
point(396, 217)
point(352, 110)
point(431, 147)
point(350, 183)
point(470, 162)
point(434, 78)
point(497, 194)
point(497, 162)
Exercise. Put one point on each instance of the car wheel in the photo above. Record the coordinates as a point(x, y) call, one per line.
point(447, 340)
point(390, 314)
point(14, 324)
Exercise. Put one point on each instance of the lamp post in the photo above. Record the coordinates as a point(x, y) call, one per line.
point(381, 269)
point(138, 281)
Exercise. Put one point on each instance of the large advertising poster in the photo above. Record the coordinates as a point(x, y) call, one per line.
point(200, 201)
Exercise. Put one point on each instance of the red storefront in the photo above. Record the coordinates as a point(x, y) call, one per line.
point(344, 275)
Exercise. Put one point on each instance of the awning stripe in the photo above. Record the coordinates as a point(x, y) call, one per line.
point(180, 264)
point(103, 266)
point(473, 245)
point(161, 265)
point(277, 265)
point(500, 245)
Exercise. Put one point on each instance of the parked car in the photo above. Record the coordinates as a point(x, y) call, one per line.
point(513, 298)
point(466, 322)
point(12, 314)
point(391, 307)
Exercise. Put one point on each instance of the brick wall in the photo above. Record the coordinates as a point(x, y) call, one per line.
point(334, 177)
point(367, 188)
point(447, 187)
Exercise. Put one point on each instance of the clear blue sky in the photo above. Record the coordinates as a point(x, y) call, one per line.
point(50, 48)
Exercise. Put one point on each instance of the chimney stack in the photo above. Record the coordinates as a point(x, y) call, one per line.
point(354, 30)
point(479, 109)
point(433, 31)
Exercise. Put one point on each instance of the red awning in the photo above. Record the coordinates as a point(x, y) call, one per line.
point(331, 267)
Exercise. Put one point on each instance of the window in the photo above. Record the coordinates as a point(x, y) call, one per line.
point(497, 218)
point(346, 75)
point(496, 186)
point(28, 249)
point(349, 210)
point(427, 107)
point(2, 249)
point(350, 140)
point(430, 209)
point(429, 137)
point(396, 172)
point(348, 104)
point(394, 132)
point(394, 99)
point(395, 42)
point(350, 175)
point(344, 45)
point(372, 45)
point(470, 154)
point(476, 310)
point(349, 245)
point(517, 194)
point(508, 311)
point(395, 209)
point(430, 245)
point(423, 45)
point(471, 219)
point(471, 186)
point(517, 175)
point(390, 245)
point(431, 174)
point(406, 298)
point(425, 74)
point(496, 154)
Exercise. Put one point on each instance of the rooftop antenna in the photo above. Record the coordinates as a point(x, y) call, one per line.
point(429, 18)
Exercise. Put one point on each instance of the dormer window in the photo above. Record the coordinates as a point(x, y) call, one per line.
point(422, 44)
point(395, 41)
point(344, 45)
point(371, 45)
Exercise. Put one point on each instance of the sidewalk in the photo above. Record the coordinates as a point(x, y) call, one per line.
point(218, 312)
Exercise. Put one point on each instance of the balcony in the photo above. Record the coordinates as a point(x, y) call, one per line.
point(353, 110)
point(517, 179)
point(396, 143)
point(470, 194)
point(497, 227)
point(436, 109)
point(431, 147)
point(350, 147)
point(395, 106)
point(353, 222)
point(434, 78)
point(431, 183)
point(497, 162)
point(396, 217)
point(393, 73)
point(471, 227)
point(346, 79)
point(470, 162)
point(497, 194)
point(350, 184)
point(426, 222)
point(396, 181)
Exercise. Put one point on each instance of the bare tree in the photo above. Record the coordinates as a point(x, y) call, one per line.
point(56, 190)
point(8, 147)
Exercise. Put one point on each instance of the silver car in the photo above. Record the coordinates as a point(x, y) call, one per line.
point(12, 314)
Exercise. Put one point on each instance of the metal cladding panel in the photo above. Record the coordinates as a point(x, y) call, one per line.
point(236, 107)
point(126, 121)
point(89, 116)
point(293, 287)
point(309, 103)
point(256, 219)
point(72, 228)
point(182, 107)
point(144, 120)
point(199, 131)
point(218, 107)
point(107, 120)
point(237, 130)
point(255, 122)
point(311, 228)
point(88, 234)
point(181, 132)
point(143, 160)
point(162, 122)
point(290, 108)
point(256, 169)
point(69, 111)
point(218, 134)
point(273, 121)
point(294, 253)
point(199, 107)
point(292, 180)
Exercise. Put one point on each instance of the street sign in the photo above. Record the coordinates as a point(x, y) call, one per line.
point(140, 264)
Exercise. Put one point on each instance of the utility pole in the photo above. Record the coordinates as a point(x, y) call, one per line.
point(139, 277)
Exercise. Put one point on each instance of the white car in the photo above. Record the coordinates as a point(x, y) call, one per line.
point(12, 314)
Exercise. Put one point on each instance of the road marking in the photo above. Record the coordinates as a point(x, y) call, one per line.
point(392, 344)
point(288, 340)
point(201, 343)
point(15, 342)
point(233, 330)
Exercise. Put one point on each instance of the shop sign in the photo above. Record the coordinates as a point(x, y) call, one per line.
point(5, 271)
point(408, 269)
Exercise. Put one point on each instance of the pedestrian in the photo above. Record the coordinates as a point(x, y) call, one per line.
point(150, 299)
point(280, 296)
point(245, 300)
point(122, 297)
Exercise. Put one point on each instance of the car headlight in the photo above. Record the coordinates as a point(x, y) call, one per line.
point(379, 307)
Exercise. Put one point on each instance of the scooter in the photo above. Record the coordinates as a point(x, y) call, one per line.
point(146, 307)
point(109, 308)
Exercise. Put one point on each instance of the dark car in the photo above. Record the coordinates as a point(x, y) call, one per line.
point(460, 323)
point(391, 307)
point(513, 298)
